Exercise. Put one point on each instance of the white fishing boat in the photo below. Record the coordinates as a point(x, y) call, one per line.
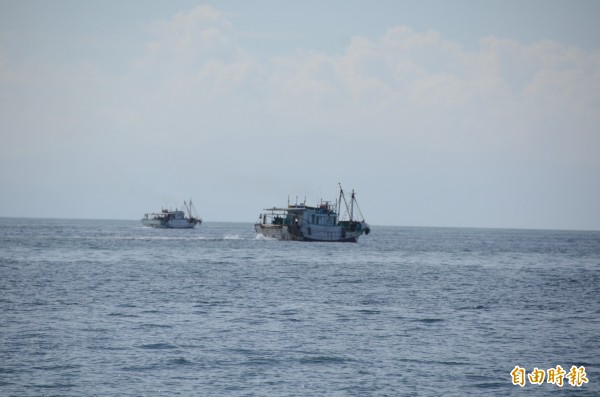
point(169, 219)
point(320, 223)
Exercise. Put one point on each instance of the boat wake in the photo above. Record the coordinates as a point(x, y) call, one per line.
point(232, 237)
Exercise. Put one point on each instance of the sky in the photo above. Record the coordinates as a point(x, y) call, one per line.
point(449, 114)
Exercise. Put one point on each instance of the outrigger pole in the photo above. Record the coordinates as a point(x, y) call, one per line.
point(339, 203)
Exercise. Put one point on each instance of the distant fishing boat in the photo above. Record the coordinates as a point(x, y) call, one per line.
point(321, 223)
point(168, 219)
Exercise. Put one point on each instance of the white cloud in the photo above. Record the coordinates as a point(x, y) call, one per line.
point(498, 89)
point(187, 40)
point(404, 76)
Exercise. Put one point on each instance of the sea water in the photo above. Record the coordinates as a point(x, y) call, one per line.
point(109, 308)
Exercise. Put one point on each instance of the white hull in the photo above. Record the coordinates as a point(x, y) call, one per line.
point(171, 224)
point(169, 219)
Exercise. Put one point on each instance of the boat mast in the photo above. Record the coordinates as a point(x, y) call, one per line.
point(352, 207)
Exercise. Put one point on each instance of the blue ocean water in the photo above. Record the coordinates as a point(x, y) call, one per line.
point(109, 308)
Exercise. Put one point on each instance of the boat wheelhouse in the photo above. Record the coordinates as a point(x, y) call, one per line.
point(168, 219)
point(319, 223)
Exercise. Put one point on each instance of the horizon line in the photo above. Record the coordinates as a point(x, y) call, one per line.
point(375, 225)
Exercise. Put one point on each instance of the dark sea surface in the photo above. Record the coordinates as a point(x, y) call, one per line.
point(108, 308)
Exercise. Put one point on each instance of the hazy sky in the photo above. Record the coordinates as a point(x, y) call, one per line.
point(439, 113)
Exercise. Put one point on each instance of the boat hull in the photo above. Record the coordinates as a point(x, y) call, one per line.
point(312, 233)
point(171, 224)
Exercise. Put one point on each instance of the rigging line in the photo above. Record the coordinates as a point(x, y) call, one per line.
point(359, 211)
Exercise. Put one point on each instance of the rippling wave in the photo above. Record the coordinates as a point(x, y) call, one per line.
point(111, 308)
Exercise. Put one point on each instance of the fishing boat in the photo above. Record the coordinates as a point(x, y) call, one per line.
point(319, 223)
point(169, 219)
